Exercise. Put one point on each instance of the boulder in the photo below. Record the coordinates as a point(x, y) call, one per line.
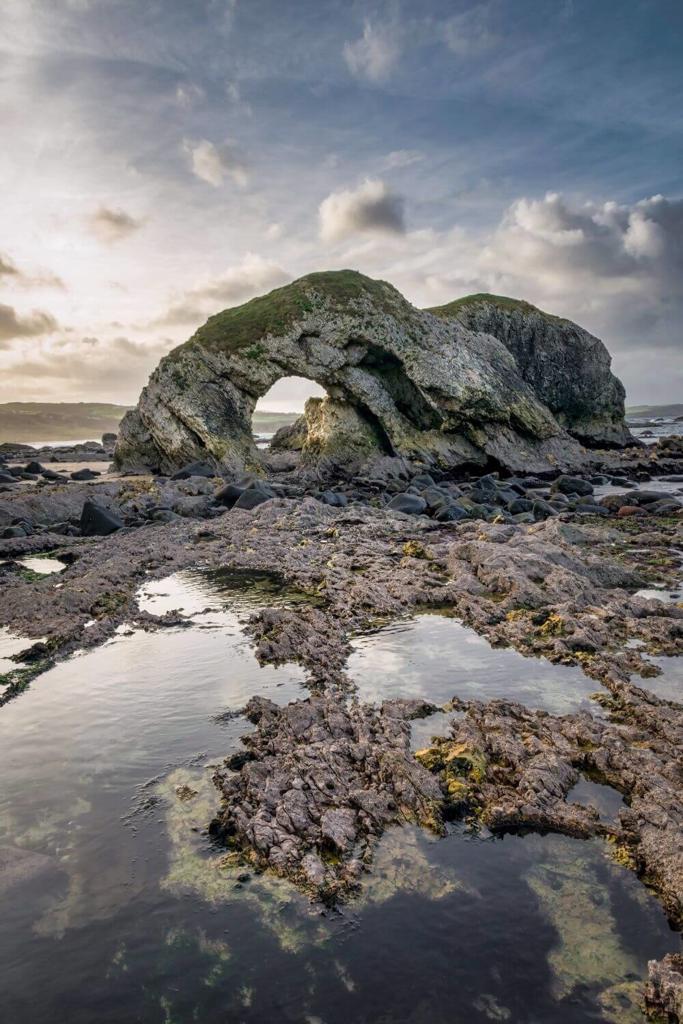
point(85, 474)
point(411, 504)
point(572, 485)
point(255, 495)
point(566, 367)
point(228, 494)
point(97, 521)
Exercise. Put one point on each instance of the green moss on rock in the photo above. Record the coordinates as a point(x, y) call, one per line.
point(275, 313)
point(453, 309)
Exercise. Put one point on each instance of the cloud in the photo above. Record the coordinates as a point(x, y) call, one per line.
point(187, 94)
point(9, 270)
point(372, 207)
point(13, 326)
point(112, 225)
point(375, 54)
point(7, 267)
point(213, 164)
point(102, 370)
point(253, 276)
point(603, 250)
point(399, 158)
point(469, 34)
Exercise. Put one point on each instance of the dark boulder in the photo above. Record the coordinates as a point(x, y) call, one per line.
point(228, 495)
point(97, 521)
point(450, 514)
point(572, 485)
point(520, 505)
point(85, 474)
point(411, 504)
point(194, 469)
point(253, 496)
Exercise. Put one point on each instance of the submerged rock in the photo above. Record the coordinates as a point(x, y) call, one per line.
point(401, 382)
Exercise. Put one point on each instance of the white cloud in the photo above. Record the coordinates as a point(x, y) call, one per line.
point(596, 249)
point(8, 268)
point(372, 207)
point(399, 158)
point(253, 276)
point(112, 225)
point(15, 276)
point(375, 54)
point(213, 164)
point(273, 232)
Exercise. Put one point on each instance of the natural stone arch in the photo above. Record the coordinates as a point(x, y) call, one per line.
point(429, 388)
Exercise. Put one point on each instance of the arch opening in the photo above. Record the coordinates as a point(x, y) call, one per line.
point(281, 406)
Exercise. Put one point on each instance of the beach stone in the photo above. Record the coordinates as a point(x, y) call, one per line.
point(97, 521)
point(571, 485)
point(410, 504)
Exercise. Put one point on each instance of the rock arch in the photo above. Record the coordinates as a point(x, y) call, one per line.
point(425, 387)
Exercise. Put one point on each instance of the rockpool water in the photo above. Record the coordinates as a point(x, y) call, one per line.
point(121, 909)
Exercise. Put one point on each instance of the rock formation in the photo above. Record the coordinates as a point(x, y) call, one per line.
point(567, 368)
point(403, 382)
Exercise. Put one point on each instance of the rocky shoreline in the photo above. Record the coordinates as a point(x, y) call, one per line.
point(544, 565)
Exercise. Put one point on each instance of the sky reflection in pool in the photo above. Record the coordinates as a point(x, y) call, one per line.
point(127, 917)
point(436, 658)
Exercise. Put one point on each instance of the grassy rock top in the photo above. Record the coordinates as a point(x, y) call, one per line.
point(274, 313)
point(503, 302)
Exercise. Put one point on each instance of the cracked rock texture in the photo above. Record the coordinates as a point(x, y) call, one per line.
point(322, 781)
point(402, 381)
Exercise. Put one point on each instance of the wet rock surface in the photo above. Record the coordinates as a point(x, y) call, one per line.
point(321, 782)
point(664, 992)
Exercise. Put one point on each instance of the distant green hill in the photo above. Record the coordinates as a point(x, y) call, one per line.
point(651, 412)
point(265, 422)
point(58, 421)
point(87, 421)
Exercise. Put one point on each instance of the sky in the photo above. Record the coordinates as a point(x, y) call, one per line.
point(165, 159)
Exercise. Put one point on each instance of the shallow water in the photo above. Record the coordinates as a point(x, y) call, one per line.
point(42, 564)
point(437, 658)
point(668, 685)
point(126, 912)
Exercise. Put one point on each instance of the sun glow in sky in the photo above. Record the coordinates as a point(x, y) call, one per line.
point(167, 159)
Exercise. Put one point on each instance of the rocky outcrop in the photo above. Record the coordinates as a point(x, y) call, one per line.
point(318, 784)
point(416, 385)
point(567, 368)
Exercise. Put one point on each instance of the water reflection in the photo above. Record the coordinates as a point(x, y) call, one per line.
point(437, 658)
point(120, 908)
